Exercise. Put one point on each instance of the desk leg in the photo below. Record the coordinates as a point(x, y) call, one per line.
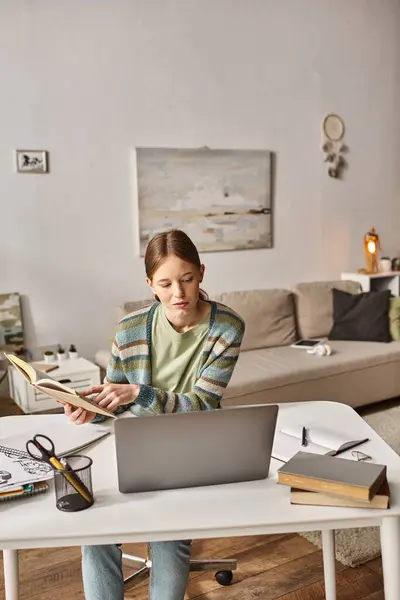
point(328, 550)
point(390, 542)
point(11, 580)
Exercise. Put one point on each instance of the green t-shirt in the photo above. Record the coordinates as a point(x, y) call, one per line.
point(175, 356)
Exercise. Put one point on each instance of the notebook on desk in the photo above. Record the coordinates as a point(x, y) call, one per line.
point(19, 468)
point(25, 491)
point(319, 440)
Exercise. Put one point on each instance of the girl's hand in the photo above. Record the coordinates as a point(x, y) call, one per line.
point(79, 416)
point(112, 395)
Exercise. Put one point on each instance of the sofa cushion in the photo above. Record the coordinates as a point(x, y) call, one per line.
point(314, 306)
point(128, 307)
point(270, 368)
point(268, 315)
point(101, 358)
point(361, 317)
point(394, 318)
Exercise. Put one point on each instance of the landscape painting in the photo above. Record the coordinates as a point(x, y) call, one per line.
point(220, 198)
point(11, 332)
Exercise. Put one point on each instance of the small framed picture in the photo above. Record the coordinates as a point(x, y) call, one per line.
point(31, 161)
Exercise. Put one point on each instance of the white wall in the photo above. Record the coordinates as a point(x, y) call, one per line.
point(90, 80)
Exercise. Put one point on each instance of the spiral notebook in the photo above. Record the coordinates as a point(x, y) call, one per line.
point(26, 491)
point(17, 468)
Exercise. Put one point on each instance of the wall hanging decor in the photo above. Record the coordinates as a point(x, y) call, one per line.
point(220, 198)
point(333, 130)
point(31, 161)
point(11, 328)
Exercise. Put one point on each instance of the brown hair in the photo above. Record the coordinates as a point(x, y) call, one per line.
point(170, 242)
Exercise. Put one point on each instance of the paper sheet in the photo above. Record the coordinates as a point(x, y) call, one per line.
point(285, 446)
point(320, 440)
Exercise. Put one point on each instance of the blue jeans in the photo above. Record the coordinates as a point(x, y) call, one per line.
point(102, 571)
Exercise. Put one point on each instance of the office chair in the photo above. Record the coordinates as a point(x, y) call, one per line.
point(223, 568)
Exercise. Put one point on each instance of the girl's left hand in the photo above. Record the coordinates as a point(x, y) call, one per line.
point(112, 395)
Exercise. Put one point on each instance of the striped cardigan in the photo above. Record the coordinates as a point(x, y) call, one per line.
point(130, 362)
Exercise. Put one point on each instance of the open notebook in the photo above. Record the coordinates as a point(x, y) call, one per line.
point(320, 440)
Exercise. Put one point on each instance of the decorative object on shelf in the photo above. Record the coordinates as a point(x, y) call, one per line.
point(333, 147)
point(61, 355)
point(72, 352)
point(32, 161)
point(371, 248)
point(48, 356)
point(385, 264)
point(396, 264)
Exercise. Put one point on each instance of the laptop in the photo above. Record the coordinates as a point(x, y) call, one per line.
point(182, 450)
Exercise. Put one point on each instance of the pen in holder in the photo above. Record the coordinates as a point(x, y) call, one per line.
point(73, 484)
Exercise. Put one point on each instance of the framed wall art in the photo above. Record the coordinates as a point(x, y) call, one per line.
point(220, 198)
point(11, 329)
point(31, 161)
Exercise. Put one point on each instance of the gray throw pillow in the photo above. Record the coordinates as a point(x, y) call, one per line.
point(361, 317)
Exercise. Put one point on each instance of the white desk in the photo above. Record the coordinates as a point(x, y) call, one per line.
point(250, 508)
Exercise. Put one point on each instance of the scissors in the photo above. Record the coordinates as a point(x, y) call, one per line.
point(47, 454)
point(43, 451)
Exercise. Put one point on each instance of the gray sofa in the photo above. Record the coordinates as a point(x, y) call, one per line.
point(269, 370)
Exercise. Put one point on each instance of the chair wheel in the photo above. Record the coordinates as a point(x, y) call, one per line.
point(224, 577)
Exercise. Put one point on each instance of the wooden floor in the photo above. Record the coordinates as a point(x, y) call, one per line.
point(269, 567)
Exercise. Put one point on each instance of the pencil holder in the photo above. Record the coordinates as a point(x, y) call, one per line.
point(73, 485)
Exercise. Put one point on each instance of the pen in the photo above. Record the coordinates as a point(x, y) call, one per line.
point(71, 477)
point(304, 437)
point(347, 446)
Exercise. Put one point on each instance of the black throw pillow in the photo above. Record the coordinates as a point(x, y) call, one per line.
point(361, 317)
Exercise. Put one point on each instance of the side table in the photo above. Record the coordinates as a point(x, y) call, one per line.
point(376, 282)
point(78, 374)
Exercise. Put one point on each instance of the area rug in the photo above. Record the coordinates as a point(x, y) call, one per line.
point(356, 546)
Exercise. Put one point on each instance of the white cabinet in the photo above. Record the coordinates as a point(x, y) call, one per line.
point(376, 282)
point(78, 374)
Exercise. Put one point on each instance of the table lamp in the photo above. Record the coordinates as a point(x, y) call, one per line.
point(371, 249)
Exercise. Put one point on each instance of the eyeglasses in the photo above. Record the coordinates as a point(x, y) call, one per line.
point(360, 456)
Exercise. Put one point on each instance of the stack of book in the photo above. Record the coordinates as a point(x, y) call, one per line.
point(322, 480)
